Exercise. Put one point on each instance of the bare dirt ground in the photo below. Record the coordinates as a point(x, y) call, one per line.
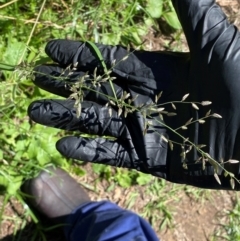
point(196, 215)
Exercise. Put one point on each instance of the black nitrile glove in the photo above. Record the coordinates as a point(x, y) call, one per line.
point(209, 73)
point(146, 152)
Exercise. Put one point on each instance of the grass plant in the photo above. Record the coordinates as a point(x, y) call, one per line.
point(228, 227)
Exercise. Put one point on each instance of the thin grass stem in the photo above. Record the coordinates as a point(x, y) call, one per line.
point(32, 31)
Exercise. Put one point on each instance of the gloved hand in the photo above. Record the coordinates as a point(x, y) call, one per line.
point(209, 73)
point(141, 77)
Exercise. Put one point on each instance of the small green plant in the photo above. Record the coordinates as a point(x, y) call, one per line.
point(197, 194)
point(158, 210)
point(162, 9)
point(122, 177)
point(230, 226)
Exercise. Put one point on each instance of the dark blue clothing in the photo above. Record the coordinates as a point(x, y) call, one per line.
point(105, 221)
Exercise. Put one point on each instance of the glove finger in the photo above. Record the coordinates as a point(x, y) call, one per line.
point(53, 79)
point(62, 51)
point(136, 66)
point(83, 55)
point(99, 150)
point(67, 52)
point(56, 80)
point(94, 118)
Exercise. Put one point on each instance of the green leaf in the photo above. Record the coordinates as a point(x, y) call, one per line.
point(31, 56)
point(154, 8)
point(42, 156)
point(102, 170)
point(142, 30)
point(149, 21)
point(97, 168)
point(136, 37)
point(3, 182)
point(32, 150)
point(143, 179)
point(1, 154)
point(14, 185)
point(78, 171)
point(124, 180)
point(172, 19)
point(20, 145)
point(13, 52)
point(99, 54)
point(7, 67)
point(111, 38)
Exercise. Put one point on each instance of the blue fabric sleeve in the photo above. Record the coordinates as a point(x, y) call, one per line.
point(105, 221)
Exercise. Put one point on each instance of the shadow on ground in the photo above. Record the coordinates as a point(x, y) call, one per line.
point(32, 232)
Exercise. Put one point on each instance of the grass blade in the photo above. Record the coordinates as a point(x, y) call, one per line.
point(99, 55)
point(7, 67)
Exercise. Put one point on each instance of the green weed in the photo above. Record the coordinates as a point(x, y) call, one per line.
point(230, 225)
point(123, 177)
point(158, 210)
point(198, 194)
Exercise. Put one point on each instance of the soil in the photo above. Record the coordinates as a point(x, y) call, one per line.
point(197, 215)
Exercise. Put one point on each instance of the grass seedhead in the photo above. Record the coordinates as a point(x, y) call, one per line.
point(195, 106)
point(184, 97)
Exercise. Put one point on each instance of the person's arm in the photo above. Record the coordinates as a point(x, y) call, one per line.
point(105, 221)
